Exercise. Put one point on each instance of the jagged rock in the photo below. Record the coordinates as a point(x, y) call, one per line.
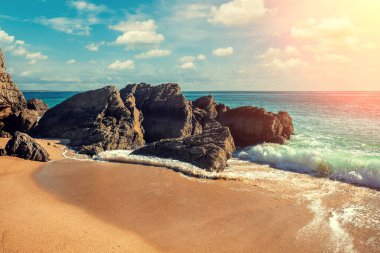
point(22, 121)
point(3, 152)
point(24, 146)
point(167, 113)
point(221, 108)
point(207, 104)
point(94, 121)
point(37, 105)
point(251, 125)
point(11, 98)
point(209, 150)
point(4, 134)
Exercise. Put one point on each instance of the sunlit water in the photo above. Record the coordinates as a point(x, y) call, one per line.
point(337, 129)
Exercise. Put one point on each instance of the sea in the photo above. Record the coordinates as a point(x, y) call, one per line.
point(339, 130)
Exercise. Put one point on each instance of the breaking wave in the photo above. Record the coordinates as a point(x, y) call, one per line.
point(351, 167)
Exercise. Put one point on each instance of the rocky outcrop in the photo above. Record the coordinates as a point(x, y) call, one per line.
point(167, 113)
point(94, 121)
point(22, 121)
point(23, 146)
point(11, 98)
point(251, 125)
point(209, 150)
point(207, 104)
point(37, 105)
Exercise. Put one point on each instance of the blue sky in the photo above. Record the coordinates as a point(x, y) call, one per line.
point(213, 45)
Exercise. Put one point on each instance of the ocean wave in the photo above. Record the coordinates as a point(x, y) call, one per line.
point(237, 169)
point(351, 167)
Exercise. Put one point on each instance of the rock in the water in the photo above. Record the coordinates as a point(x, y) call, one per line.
point(24, 146)
point(167, 113)
point(94, 121)
point(209, 150)
point(11, 98)
point(251, 125)
point(221, 108)
point(37, 105)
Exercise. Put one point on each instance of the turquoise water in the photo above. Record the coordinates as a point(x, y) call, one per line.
point(337, 129)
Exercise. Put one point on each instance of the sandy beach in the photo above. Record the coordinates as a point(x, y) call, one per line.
point(70, 205)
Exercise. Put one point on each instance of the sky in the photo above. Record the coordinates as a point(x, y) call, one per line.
point(253, 45)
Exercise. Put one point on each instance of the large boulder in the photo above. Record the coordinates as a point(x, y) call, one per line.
point(22, 121)
point(24, 146)
point(209, 150)
point(11, 98)
point(37, 105)
point(167, 113)
point(94, 121)
point(251, 125)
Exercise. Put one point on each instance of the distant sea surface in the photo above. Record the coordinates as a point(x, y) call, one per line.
point(338, 129)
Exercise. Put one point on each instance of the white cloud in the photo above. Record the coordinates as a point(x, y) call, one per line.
point(237, 12)
point(18, 48)
point(201, 57)
point(36, 56)
point(71, 61)
point(95, 46)
point(153, 53)
point(137, 33)
point(187, 58)
point(330, 35)
point(5, 38)
point(122, 65)
point(87, 6)
point(67, 25)
point(223, 51)
point(92, 47)
point(332, 58)
point(282, 59)
point(25, 73)
point(192, 11)
point(187, 65)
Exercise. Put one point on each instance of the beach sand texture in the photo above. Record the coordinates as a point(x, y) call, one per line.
point(69, 205)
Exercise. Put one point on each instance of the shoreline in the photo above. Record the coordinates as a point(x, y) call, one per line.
point(156, 209)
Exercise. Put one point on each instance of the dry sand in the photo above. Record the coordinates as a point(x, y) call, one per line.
point(86, 206)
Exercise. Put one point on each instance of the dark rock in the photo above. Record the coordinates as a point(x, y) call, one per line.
point(207, 104)
point(22, 121)
point(94, 121)
point(24, 146)
point(4, 134)
point(37, 105)
point(251, 125)
point(221, 108)
point(287, 123)
point(167, 113)
point(3, 152)
point(11, 98)
point(209, 150)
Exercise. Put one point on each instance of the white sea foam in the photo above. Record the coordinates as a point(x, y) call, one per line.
point(237, 169)
point(343, 166)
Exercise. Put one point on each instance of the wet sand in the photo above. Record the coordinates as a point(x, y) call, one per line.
point(86, 206)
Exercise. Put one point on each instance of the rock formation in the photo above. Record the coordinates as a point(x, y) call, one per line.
point(207, 104)
point(24, 146)
point(94, 121)
point(37, 105)
point(22, 121)
point(209, 150)
point(11, 98)
point(167, 113)
point(251, 125)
